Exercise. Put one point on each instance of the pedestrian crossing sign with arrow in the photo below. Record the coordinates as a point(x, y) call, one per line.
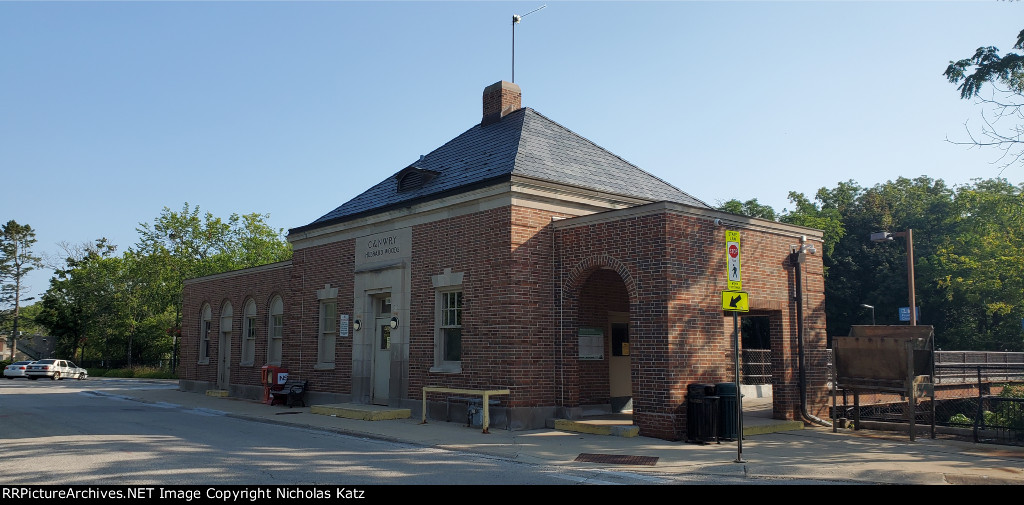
point(732, 259)
point(735, 301)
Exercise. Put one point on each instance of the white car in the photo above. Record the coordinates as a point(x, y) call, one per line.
point(55, 369)
point(17, 369)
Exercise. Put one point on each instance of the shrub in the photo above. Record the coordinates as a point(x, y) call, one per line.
point(960, 420)
point(141, 372)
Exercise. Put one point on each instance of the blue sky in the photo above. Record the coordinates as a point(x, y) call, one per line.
point(110, 111)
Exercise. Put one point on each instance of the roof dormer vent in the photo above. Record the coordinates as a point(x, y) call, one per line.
point(413, 177)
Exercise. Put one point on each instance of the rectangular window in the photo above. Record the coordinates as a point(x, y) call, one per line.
point(328, 330)
point(451, 325)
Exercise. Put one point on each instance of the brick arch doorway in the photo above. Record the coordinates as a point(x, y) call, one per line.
point(605, 378)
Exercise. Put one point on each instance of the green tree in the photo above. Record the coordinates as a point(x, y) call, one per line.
point(1001, 110)
point(749, 208)
point(968, 256)
point(187, 244)
point(16, 261)
point(126, 308)
point(978, 269)
point(861, 272)
point(78, 309)
point(822, 216)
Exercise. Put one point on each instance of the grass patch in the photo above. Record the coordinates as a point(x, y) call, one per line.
point(138, 372)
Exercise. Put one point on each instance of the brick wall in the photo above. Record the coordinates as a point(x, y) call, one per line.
point(260, 284)
point(528, 286)
point(313, 268)
point(674, 268)
point(508, 289)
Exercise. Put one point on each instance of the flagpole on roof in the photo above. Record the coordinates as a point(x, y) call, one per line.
point(516, 18)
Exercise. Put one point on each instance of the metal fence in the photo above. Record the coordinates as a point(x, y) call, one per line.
point(757, 366)
point(979, 396)
point(999, 420)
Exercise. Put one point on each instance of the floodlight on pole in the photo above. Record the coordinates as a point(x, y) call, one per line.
point(872, 307)
point(516, 18)
point(884, 236)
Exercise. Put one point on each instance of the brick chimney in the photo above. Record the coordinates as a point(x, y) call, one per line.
point(500, 99)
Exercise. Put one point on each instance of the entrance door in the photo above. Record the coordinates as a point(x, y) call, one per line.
point(619, 364)
point(224, 360)
point(382, 350)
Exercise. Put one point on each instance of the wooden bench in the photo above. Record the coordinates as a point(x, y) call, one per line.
point(485, 400)
point(293, 391)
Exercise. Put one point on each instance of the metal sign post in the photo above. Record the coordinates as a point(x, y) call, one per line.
point(735, 301)
point(739, 396)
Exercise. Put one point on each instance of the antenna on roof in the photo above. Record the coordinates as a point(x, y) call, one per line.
point(516, 18)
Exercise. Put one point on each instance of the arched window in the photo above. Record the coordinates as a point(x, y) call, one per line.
point(224, 344)
point(275, 335)
point(204, 334)
point(225, 317)
point(249, 334)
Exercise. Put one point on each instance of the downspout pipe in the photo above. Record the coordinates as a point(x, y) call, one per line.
point(796, 258)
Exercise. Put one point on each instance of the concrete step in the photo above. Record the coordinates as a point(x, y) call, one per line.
point(625, 428)
point(361, 411)
point(611, 427)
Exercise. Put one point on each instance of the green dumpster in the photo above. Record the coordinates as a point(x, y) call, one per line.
point(728, 424)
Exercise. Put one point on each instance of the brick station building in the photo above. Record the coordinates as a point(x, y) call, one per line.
point(521, 256)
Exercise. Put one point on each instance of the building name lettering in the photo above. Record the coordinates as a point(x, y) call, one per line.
point(381, 246)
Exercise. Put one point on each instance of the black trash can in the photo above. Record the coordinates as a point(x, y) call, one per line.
point(701, 413)
point(694, 410)
point(728, 423)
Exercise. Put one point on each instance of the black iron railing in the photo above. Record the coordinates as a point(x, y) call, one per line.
point(1000, 420)
point(966, 402)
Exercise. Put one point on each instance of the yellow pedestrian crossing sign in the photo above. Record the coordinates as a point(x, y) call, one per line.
point(732, 259)
point(735, 301)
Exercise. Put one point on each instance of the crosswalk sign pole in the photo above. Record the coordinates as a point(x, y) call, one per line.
point(739, 396)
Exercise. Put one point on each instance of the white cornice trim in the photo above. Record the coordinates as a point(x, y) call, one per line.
point(519, 191)
point(726, 219)
point(244, 271)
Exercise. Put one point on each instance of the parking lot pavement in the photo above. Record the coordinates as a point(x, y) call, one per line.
point(813, 453)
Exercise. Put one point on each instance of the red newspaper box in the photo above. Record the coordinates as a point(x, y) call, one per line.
point(273, 379)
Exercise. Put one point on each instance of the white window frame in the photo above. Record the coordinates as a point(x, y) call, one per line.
point(248, 357)
point(452, 304)
point(275, 331)
point(446, 286)
point(227, 325)
point(205, 326)
point(327, 336)
point(328, 331)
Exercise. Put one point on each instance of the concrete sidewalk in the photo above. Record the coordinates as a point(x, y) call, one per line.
point(812, 453)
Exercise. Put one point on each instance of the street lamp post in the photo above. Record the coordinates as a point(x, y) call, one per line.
point(177, 305)
point(872, 307)
point(909, 235)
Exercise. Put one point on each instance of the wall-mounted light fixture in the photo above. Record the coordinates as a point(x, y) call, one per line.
point(394, 323)
point(356, 324)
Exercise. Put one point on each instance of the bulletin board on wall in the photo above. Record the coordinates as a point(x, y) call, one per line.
point(591, 343)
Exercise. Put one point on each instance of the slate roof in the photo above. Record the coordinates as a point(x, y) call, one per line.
point(524, 143)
